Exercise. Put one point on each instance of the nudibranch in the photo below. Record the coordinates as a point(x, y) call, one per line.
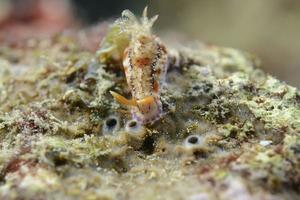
point(144, 63)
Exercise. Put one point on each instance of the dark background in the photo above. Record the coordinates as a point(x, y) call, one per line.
point(95, 10)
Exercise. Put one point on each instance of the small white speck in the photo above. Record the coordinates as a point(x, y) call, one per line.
point(205, 71)
point(265, 142)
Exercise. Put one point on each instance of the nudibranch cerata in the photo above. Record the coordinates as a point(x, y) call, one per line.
point(145, 63)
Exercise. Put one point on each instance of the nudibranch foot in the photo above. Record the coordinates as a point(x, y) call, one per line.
point(147, 111)
point(144, 110)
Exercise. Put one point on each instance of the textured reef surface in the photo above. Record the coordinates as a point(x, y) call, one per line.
point(228, 130)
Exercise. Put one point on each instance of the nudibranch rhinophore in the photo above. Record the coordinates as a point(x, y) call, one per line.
point(145, 63)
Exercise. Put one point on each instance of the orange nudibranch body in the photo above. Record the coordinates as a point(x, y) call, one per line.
point(145, 63)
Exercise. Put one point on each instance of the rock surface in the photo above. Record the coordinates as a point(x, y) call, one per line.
point(229, 131)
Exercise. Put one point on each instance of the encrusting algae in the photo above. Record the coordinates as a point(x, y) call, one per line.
point(220, 128)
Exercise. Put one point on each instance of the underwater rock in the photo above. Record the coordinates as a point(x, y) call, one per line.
point(226, 129)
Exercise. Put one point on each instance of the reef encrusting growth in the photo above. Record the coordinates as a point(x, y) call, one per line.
point(228, 129)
